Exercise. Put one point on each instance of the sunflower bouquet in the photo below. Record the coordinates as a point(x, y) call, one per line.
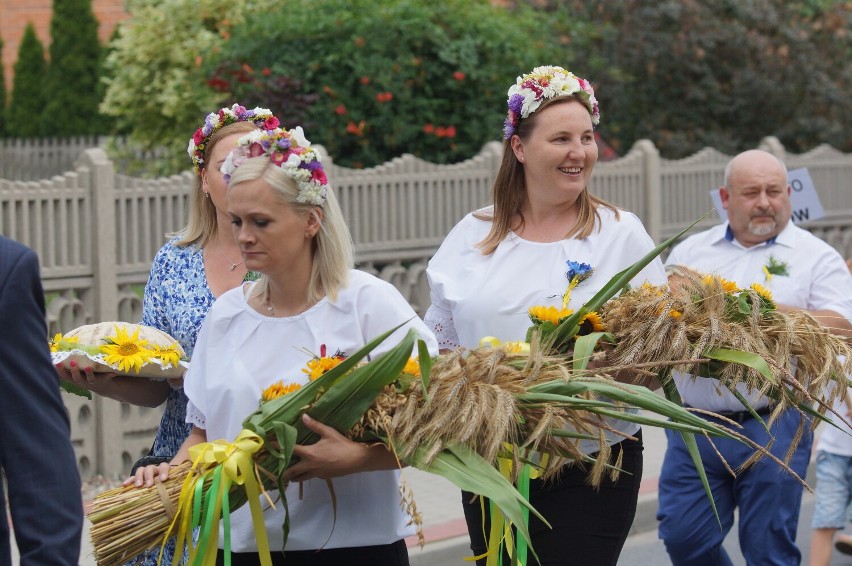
point(120, 347)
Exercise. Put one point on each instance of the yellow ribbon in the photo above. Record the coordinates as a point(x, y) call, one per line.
point(236, 462)
point(767, 273)
point(567, 296)
point(512, 347)
point(501, 530)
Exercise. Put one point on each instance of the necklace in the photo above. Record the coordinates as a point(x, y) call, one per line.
point(233, 265)
point(267, 301)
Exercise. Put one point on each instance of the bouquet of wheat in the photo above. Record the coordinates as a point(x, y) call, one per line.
point(513, 400)
point(506, 399)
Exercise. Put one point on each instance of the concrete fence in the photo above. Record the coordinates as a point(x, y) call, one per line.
point(96, 232)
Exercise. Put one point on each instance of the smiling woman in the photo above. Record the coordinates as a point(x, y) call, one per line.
point(543, 219)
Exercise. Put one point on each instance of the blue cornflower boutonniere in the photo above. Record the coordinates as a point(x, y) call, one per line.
point(576, 274)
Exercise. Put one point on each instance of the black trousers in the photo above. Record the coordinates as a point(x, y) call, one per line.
point(394, 554)
point(589, 526)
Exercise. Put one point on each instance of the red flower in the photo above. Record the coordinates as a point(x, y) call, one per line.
point(266, 71)
point(271, 123)
point(451, 131)
point(218, 84)
point(365, 80)
point(428, 128)
point(458, 75)
point(277, 157)
point(384, 97)
point(198, 136)
point(255, 150)
point(357, 130)
point(340, 110)
point(440, 131)
point(319, 176)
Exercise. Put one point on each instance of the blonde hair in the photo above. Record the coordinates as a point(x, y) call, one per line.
point(509, 188)
point(201, 224)
point(332, 246)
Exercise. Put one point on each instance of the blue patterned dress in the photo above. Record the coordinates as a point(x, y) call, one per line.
point(176, 301)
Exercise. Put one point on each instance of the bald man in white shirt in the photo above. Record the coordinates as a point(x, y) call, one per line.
point(758, 244)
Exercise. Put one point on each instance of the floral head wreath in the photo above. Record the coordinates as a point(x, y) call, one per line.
point(544, 83)
point(261, 117)
point(289, 150)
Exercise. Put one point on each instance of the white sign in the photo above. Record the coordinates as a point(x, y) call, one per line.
point(804, 199)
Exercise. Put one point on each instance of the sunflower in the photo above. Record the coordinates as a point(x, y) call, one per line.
point(318, 366)
point(764, 293)
point(60, 342)
point(412, 367)
point(592, 322)
point(549, 314)
point(127, 352)
point(278, 389)
point(169, 355)
point(727, 286)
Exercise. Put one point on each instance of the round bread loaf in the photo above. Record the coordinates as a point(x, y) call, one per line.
point(94, 334)
point(91, 336)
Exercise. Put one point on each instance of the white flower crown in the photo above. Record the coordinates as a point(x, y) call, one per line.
point(544, 83)
point(289, 150)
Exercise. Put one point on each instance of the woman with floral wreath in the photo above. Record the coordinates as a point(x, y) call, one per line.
point(342, 499)
point(546, 233)
point(199, 263)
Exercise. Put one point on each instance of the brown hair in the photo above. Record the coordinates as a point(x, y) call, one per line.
point(201, 224)
point(509, 189)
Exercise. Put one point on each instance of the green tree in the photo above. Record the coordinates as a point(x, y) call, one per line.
point(721, 73)
point(2, 94)
point(28, 93)
point(73, 71)
point(156, 89)
point(372, 79)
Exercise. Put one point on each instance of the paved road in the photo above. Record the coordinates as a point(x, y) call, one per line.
point(645, 549)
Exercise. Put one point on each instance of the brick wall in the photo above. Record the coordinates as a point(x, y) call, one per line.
point(15, 14)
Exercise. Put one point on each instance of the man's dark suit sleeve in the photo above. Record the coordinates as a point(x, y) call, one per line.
point(35, 448)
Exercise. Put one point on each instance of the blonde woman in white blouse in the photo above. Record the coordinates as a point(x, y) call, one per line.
point(501, 260)
point(289, 227)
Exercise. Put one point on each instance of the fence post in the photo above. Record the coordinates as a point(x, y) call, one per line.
point(653, 186)
point(104, 253)
point(104, 296)
point(774, 146)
